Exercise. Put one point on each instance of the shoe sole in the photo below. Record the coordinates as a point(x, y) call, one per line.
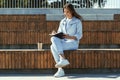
point(58, 66)
point(59, 76)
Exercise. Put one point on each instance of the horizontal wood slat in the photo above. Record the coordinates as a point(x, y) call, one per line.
point(29, 37)
point(90, 25)
point(100, 38)
point(33, 37)
point(117, 17)
point(23, 23)
point(94, 59)
point(31, 29)
point(23, 17)
point(39, 23)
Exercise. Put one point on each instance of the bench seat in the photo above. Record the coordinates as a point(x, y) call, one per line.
point(42, 59)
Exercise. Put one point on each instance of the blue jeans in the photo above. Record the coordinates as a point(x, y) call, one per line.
point(59, 45)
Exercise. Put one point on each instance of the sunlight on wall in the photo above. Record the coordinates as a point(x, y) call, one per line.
point(112, 4)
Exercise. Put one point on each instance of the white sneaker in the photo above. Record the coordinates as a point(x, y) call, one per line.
point(59, 73)
point(62, 63)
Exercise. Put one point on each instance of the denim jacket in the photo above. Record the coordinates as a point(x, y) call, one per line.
point(75, 27)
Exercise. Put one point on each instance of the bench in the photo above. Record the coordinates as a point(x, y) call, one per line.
point(41, 61)
point(28, 30)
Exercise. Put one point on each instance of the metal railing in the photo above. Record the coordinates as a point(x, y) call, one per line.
point(59, 3)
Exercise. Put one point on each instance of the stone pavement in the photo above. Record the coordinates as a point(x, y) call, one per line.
point(67, 77)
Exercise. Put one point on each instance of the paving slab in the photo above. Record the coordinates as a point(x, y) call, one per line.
point(66, 77)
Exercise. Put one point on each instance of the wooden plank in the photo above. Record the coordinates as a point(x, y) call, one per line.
point(116, 17)
point(82, 59)
point(1, 59)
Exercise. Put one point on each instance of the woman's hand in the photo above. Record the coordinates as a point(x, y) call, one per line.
point(53, 32)
point(69, 37)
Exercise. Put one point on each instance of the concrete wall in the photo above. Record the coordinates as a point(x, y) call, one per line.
point(57, 11)
point(57, 14)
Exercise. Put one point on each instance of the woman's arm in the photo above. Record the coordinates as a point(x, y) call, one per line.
point(79, 32)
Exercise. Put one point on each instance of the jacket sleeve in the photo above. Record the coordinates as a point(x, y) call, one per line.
point(60, 27)
point(79, 33)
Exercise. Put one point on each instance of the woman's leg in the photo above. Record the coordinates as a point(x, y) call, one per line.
point(55, 54)
point(57, 48)
point(57, 44)
point(61, 45)
point(60, 72)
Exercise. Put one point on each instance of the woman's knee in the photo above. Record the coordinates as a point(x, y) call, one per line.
point(51, 46)
point(53, 39)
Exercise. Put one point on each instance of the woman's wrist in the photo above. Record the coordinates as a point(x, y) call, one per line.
point(73, 37)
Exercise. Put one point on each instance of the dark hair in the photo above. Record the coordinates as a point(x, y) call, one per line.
point(72, 10)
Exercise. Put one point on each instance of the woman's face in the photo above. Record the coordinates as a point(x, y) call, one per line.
point(67, 13)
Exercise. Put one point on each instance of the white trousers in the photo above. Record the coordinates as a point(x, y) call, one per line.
point(59, 45)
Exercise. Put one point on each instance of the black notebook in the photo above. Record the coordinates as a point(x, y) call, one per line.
point(59, 35)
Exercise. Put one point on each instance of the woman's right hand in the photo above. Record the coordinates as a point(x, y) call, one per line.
point(53, 32)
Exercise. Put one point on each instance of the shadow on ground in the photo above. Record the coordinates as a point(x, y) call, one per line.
point(74, 76)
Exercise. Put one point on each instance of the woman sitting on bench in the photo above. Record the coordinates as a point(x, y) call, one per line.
point(71, 27)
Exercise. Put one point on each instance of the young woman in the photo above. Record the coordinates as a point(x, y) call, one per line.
point(71, 27)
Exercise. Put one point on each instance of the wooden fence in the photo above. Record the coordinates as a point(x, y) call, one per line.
point(31, 29)
point(79, 59)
